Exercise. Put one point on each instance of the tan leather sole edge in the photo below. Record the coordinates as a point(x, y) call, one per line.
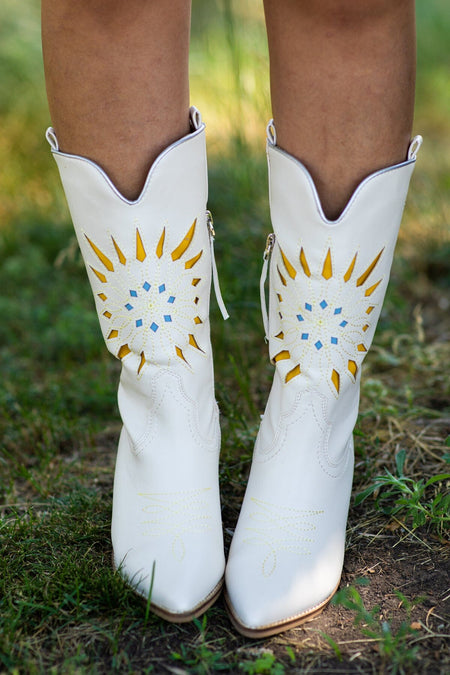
point(178, 617)
point(279, 626)
point(184, 617)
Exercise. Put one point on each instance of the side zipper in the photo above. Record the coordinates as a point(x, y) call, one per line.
point(215, 276)
point(270, 243)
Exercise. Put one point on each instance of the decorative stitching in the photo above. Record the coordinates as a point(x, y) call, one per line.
point(208, 442)
point(176, 514)
point(280, 528)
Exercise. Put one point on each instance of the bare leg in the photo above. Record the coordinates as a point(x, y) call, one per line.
point(342, 83)
point(117, 80)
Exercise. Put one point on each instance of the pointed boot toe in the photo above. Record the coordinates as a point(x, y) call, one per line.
point(175, 594)
point(285, 592)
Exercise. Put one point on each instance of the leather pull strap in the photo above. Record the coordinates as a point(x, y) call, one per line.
point(215, 275)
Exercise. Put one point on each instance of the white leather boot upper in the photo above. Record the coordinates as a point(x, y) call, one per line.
point(149, 264)
point(327, 284)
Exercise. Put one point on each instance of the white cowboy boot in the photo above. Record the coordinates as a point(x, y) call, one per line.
point(149, 263)
point(327, 284)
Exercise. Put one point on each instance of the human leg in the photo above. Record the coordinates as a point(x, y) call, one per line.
point(327, 284)
point(144, 232)
point(117, 87)
point(342, 86)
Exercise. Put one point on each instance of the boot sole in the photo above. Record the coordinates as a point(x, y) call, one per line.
point(184, 617)
point(179, 617)
point(279, 626)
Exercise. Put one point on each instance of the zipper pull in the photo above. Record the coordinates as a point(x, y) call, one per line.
point(215, 276)
point(210, 223)
point(270, 243)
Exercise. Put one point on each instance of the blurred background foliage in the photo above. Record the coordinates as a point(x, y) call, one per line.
point(229, 83)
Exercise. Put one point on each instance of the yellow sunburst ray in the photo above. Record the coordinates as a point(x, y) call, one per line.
point(185, 243)
point(336, 379)
point(123, 351)
point(179, 353)
point(289, 268)
point(140, 250)
point(120, 255)
point(189, 264)
point(352, 367)
point(281, 356)
point(327, 270)
point(370, 290)
point(160, 245)
point(283, 280)
point(365, 275)
point(304, 263)
point(98, 274)
point(292, 373)
point(193, 342)
point(101, 256)
point(141, 363)
point(351, 267)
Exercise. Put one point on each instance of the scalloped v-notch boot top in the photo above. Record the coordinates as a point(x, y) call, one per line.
point(149, 263)
point(327, 285)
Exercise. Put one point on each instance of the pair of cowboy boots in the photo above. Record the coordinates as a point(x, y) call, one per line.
point(150, 263)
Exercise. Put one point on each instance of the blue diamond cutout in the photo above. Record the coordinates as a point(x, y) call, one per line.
point(154, 327)
point(133, 294)
point(138, 323)
point(324, 304)
point(305, 336)
point(171, 299)
point(308, 306)
point(167, 318)
point(146, 286)
point(343, 323)
point(128, 307)
point(318, 345)
point(300, 318)
point(334, 341)
point(338, 310)
point(162, 288)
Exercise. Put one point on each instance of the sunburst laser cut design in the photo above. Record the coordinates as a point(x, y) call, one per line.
point(324, 315)
point(149, 297)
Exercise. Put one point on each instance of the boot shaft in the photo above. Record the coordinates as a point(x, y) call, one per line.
point(329, 278)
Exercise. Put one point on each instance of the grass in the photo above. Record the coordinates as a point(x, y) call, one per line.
point(62, 608)
point(396, 648)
